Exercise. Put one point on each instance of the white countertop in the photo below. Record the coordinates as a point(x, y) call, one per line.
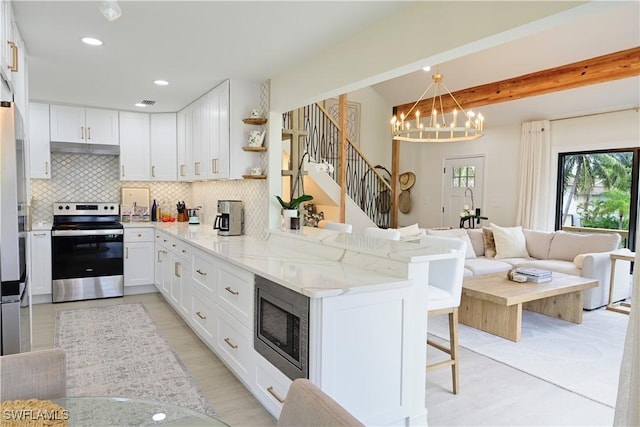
point(310, 261)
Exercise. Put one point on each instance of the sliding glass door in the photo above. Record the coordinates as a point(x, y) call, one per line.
point(598, 192)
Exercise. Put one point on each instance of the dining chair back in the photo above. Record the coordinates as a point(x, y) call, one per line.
point(337, 226)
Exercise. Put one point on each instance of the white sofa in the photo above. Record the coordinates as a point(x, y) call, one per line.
point(580, 254)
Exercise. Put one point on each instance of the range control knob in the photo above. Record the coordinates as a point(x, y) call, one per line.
point(60, 207)
point(67, 207)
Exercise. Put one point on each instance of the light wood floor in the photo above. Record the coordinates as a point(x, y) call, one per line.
point(491, 393)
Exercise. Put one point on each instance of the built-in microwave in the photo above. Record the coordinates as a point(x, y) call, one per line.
point(282, 327)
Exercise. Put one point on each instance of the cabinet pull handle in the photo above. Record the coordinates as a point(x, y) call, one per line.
point(88, 134)
point(176, 267)
point(159, 252)
point(173, 245)
point(122, 170)
point(274, 394)
point(231, 291)
point(200, 315)
point(230, 344)
point(39, 234)
point(14, 50)
point(46, 168)
point(139, 235)
point(200, 272)
point(184, 251)
point(196, 167)
point(126, 256)
point(82, 136)
point(181, 170)
point(153, 171)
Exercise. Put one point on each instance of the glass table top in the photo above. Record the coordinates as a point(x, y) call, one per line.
point(115, 411)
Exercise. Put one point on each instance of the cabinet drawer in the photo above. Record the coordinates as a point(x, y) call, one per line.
point(271, 386)
point(235, 293)
point(235, 346)
point(203, 273)
point(132, 235)
point(203, 317)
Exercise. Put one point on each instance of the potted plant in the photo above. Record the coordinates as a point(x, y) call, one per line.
point(291, 209)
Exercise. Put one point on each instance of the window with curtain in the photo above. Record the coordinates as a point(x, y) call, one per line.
point(599, 190)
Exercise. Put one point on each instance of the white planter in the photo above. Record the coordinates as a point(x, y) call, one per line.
point(288, 214)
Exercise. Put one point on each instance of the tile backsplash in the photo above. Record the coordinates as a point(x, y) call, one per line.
point(91, 178)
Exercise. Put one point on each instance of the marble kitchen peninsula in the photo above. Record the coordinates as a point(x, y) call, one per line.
point(368, 316)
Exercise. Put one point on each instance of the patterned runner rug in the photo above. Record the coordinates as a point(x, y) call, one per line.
point(119, 351)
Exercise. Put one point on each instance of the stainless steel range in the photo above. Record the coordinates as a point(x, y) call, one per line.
point(87, 251)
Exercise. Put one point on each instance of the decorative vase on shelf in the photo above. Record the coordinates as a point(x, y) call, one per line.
point(288, 214)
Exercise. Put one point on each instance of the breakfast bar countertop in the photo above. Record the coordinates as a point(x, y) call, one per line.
point(314, 262)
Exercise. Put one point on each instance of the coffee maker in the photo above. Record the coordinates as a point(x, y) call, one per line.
point(230, 218)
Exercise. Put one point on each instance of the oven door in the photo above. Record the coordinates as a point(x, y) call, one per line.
point(86, 253)
point(86, 264)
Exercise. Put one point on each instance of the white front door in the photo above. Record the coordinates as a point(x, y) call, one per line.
point(462, 184)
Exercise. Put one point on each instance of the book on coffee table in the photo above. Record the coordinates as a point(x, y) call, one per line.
point(534, 272)
point(534, 279)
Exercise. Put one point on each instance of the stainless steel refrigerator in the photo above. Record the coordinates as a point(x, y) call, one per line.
point(15, 307)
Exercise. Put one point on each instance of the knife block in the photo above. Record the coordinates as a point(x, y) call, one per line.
point(182, 217)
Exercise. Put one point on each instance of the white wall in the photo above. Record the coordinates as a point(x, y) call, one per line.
point(501, 148)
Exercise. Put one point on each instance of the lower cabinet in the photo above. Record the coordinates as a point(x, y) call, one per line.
point(138, 256)
point(216, 298)
point(40, 252)
point(270, 386)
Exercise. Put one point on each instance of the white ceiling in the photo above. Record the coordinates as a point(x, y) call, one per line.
point(195, 45)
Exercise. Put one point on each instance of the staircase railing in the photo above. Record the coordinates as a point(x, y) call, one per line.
point(366, 184)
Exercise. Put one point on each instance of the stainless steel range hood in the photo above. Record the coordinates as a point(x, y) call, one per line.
point(77, 148)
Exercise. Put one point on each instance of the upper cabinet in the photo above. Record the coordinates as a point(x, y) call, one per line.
point(163, 147)
point(134, 147)
point(39, 153)
point(13, 64)
point(84, 125)
point(211, 133)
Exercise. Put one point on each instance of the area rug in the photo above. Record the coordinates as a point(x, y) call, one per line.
point(119, 351)
point(584, 358)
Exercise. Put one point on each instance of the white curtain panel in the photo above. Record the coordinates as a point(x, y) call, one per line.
point(535, 166)
point(627, 405)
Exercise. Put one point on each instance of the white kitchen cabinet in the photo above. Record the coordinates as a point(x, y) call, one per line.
point(173, 267)
point(138, 256)
point(134, 147)
point(211, 135)
point(184, 146)
point(9, 48)
point(163, 137)
point(40, 248)
point(83, 125)
point(39, 150)
point(161, 258)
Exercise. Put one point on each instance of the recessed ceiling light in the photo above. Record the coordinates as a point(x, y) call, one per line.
point(426, 68)
point(161, 82)
point(92, 41)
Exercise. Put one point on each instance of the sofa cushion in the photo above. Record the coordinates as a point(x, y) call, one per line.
point(477, 241)
point(484, 265)
point(456, 233)
point(538, 243)
point(510, 242)
point(566, 267)
point(489, 242)
point(566, 246)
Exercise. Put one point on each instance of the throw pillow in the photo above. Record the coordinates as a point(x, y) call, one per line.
point(457, 233)
point(510, 242)
point(489, 242)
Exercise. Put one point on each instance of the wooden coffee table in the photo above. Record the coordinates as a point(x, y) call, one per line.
point(493, 303)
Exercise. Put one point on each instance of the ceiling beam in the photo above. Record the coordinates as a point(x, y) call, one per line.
point(618, 65)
